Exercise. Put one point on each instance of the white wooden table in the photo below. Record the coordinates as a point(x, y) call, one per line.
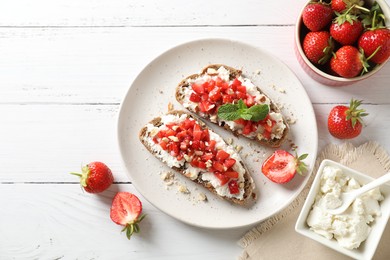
point(65, 66)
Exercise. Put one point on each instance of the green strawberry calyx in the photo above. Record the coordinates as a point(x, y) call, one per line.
point(328, 51)
point(301, 167)
point(83, 175)
point(354, 114)
point(133, 227)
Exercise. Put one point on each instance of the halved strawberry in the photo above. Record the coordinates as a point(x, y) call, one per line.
point(125, 210)
point(282, 166)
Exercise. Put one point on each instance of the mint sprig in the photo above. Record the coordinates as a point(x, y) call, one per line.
point(231, 112)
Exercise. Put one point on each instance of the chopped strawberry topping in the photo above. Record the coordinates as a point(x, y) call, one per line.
point(210, 95)
point(190, 141)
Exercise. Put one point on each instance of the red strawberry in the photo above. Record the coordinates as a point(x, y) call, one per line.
point(346, 122)
point(346, 28)
point(341, 5)
point(318, 47)
point(282, 166)
point(316, 16)
point(347, 62)
point(377, 40)
point(95, 177)
point(125, 210)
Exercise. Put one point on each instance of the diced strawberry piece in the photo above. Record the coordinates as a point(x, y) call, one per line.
point(222, 155)
point(188, 123)
point(228, 163)
point(233, 187)
point(240, 95)
point(231, 174)
point(195, 144)
point(209, 85)
point(163, 145)
point(194, 163)
point(240, 121)
point(198, 88)
point(249, 101)
point(247, 128)
point(182, 134)
point(207, 156)
point(226, 99)
point(219, 82)
point(206, 135)
point(212, 144)
point(215, 94)
point(236, 83)
point(183, 146)
point(202, 145)
point(241, 89)
point(202, 165)
point(180, 157)
point(218, 166)
point(207, 106)
point(174, 147)
point(170, 132)
point(194, 97)
point(222, 178)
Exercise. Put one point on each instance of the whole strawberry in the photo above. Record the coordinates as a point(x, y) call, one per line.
point(126, 211)
point(317, 15)
point(95, 177)
point(346, 122)
point(346, 28)
point(342, 5)
point(376, 43)
point(348, 62)
point(318, 47)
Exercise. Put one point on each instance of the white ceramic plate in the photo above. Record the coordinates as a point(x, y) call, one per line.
point(154, 88)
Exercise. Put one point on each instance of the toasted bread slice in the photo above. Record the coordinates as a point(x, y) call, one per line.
point(269, 132)
point(155, 134)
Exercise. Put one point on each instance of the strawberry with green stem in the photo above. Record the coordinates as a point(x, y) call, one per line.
point(95, 177)
point(126, 211)
point(318, 47)
point(346, 27)
point(375, 42)
point(346, 122)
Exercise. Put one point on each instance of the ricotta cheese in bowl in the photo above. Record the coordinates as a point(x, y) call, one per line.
point(353, 226)
point(357, 231)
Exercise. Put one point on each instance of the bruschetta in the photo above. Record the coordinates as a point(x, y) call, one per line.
point(218, 85)
point(188, 146)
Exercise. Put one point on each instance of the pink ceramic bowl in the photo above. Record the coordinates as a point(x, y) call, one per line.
point(315, 72)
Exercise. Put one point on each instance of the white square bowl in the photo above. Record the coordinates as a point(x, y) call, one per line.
point(367, 249)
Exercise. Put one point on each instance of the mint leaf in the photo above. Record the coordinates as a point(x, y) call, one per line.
point(258, 112)
point(231, 112)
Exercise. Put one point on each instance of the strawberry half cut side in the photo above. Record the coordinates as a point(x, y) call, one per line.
point(126, 211)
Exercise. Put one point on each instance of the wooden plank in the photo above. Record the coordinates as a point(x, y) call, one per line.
point(97, 65)
point(146, 13)
point(43, 143)
point(49, 221)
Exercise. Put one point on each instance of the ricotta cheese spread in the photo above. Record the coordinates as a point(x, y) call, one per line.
point(193, 172)
point(223, 73)
point(352, 227)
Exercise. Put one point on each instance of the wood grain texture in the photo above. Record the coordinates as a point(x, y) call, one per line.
point(97, 65)
point(62, 222)
point(146, 13)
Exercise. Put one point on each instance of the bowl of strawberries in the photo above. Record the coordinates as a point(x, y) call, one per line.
point(340, 42)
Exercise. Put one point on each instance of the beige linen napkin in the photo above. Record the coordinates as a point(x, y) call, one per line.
point(276, 238)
